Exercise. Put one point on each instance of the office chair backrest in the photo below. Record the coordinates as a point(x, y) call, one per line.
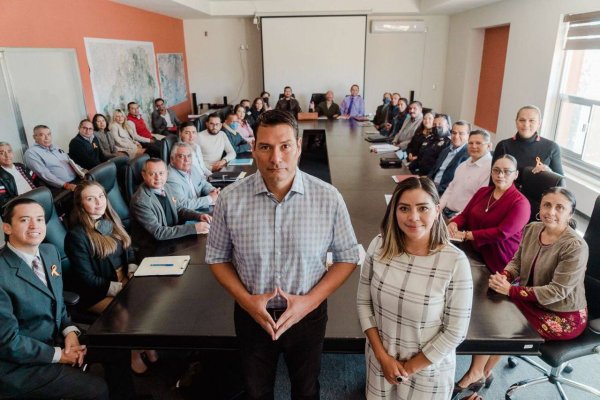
point(317, 98)
point(592, 281)
point(120, 163)
point(224, 111)
point(533, 185)
point(166, 145)
point(133, 175)
point(106, 175)
point(201, 122)
point(55, 229)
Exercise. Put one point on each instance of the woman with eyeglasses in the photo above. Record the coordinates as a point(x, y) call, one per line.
point(550, 267)
point(493, 220)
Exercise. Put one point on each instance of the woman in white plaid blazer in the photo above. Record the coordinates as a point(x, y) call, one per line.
point(414, 299)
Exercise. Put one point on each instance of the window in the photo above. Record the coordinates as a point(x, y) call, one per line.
point(577, 127)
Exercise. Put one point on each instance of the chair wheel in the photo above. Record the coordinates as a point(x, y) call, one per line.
point(568, 369)
point(512, 362)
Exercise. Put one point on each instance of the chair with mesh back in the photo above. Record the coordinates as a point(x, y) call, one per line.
point(557, 354)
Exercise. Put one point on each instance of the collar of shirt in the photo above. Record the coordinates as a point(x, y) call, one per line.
point(135, 116)
point(26, 257)
point(52, 147)
point(160, 192)
point(535, 138)
point(483, 160)
point(297, 185)
point(91, 139)
point(454, 150)
point(12, 169)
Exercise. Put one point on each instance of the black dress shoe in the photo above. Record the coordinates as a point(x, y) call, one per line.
point(489, 380)
point(473, 387)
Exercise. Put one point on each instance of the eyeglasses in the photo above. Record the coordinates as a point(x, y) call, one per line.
point(500, 171)
point(214, 124)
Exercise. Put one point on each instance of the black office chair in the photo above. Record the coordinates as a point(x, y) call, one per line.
point(224, 111)
point(106, 175)
point(133, 175)
point(533, 185)
point(166, 145)
point(120, 162)
point(317, 98)
point(200, 122)
point(557, 354)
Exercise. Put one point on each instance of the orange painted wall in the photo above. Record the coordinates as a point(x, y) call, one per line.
point(64, 24)
point(491, 77)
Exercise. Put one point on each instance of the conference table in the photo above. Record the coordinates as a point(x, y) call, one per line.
point(193, 311)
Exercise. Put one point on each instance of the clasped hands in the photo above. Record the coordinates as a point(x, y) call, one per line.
point(499, 283)
point(73, 352)
point(297, 308)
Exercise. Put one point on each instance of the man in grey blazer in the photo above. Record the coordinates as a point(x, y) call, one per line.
point(156, 212)
point(164, 121)
point(189, 186)
point(39, 346)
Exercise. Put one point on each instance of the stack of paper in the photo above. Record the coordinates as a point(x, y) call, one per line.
point(155, 266)
point(383, 148)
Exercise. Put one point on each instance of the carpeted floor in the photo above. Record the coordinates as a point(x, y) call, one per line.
point(342, 378)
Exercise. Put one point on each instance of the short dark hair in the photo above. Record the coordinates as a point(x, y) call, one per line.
point(445, 116)
point(9, 208)
point(152, 160)
point(405, 100)
point(462, 122)
point(35, 128)
point(417, 102)
point(485, 134)
point(287, 87)
point(82, 121)
point(129, 104)
point(185, 125)
point(243, 100)
point(276, 117)
point(214, 115)
point(95, 121)
point(159, 99)
point(229, 114)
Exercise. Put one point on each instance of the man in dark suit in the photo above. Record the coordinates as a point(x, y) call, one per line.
point(15, 178)
point(164, 121)
point(84, 148)
point(451, 157)
point(39, 346)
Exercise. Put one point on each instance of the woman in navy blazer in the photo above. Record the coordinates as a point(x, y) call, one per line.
point(99, 249)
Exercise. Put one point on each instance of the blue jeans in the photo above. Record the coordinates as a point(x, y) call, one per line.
point(301, 346)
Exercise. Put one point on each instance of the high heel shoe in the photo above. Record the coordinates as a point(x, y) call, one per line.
point(473, 387)
point(489, 380)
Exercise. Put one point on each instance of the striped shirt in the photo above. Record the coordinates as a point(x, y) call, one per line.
point(280, 244)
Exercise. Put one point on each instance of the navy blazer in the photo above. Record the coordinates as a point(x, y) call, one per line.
point(32, 317)
point(92, 274)
point(8, 186)
point(448, 174)
point(84, 153)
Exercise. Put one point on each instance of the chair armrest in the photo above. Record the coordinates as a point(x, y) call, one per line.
point(71, 298)
point(594, 325)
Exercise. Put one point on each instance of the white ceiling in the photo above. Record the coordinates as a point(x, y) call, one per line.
point(190, 9)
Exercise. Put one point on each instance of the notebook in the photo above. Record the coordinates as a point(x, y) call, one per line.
point(163, 266)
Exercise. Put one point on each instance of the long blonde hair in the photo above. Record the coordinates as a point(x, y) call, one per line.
point(394, 240)
point(124, 125)
point(102, 246)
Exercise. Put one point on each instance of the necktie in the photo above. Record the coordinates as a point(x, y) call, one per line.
point(350, 106)
point(38, 270)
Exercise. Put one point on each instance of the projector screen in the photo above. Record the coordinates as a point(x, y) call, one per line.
point(313, 55)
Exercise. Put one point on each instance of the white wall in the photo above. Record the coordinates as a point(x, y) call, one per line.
point(214, 64)
point(215, 61)
point(534, 29)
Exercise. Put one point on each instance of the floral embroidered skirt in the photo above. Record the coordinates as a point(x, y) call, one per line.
point(553, 325)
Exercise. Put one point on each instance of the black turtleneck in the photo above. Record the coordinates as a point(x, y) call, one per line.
point(526, 151)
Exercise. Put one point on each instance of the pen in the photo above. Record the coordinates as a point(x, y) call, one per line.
point(162, 265)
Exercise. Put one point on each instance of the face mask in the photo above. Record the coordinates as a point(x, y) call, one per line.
point(234, 125)
point(386, 100)
point(438, 131)
point(104, 227)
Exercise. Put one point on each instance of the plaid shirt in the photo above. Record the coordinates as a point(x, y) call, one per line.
point(281, 244)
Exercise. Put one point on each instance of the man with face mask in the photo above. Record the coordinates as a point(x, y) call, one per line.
point(379, 118)
point(237, 141)
point(433, 146)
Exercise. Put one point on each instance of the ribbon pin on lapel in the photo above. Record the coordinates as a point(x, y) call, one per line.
point(54, 271)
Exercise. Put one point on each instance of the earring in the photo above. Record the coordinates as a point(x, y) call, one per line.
point(537, 217)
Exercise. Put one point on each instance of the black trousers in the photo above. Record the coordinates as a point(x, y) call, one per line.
point(301, 346)
point(72, 383)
